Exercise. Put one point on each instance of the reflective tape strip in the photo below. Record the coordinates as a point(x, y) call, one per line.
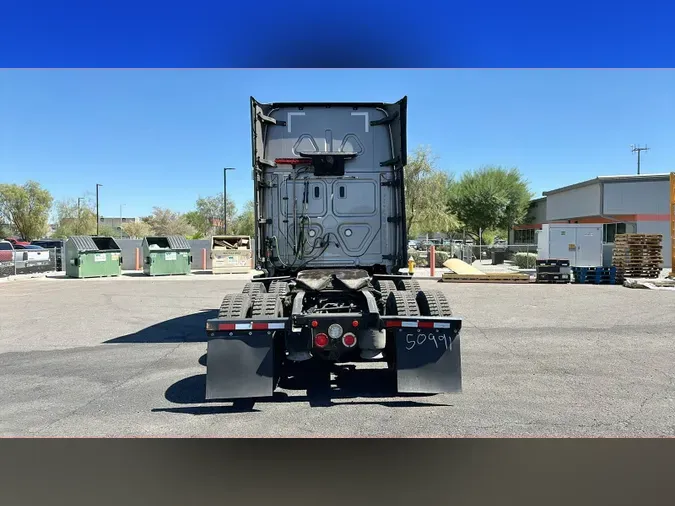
point(252, 326)
point(418, 324)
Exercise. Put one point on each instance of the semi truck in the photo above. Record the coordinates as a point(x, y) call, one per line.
point(330, 244)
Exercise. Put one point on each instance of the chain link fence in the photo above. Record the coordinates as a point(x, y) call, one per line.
point(30, 261)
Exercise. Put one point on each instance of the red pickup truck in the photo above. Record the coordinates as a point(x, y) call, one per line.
point(6, 252)
point(16, 241)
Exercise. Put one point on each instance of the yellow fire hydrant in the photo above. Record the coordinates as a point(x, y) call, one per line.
point(411, 265)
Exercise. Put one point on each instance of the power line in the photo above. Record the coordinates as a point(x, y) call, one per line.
point(638, 149)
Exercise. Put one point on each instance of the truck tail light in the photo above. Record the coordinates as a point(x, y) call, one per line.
point(349, 340)
point(321, 340)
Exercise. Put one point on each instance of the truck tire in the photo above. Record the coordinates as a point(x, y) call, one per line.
point(409, 285)
point(235, 305)
point(402, 303)
point(252, 288)
point(385, 287)
point(399, 303)
point(433, 303)
point(267, 304)
point(278, 287)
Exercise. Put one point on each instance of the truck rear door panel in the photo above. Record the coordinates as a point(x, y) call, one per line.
point(356, 212)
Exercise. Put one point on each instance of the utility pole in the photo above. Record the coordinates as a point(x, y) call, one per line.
point(97, 218)
point(77, 228)
point(121, 220)
point(638, 149)
point(225, 198)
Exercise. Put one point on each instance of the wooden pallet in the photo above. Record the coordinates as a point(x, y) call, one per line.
point(485, 278)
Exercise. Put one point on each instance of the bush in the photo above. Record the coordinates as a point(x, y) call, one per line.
point(525, 260)
point(441, 257)
point(420, 258)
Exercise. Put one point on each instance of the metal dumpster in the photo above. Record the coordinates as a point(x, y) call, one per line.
point(92, 257)
point(231, 254)
point(166, 256)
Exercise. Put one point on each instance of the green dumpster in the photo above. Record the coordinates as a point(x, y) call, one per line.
point(165, 256)
point(92, 257)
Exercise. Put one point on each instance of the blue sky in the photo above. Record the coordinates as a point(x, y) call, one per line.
point(161, 137)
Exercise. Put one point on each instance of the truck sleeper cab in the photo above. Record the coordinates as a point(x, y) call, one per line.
point(330, 240)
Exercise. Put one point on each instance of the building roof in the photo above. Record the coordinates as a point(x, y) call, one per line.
point(612, 179)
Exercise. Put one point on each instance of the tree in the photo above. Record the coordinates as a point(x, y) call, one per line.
point(26, 208)
point(200, 223)
point(209, 214)
point(167, 222)
point(75, 219)
point(490, 198)
point(244, 223)
point(136, 229)
point(426, 190)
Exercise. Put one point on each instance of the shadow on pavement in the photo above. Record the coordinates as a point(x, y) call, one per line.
point(350, 383)
point(188, 328)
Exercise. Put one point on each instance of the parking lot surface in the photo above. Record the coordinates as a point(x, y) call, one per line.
point(124, 357)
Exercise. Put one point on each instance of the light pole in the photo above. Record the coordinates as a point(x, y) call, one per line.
point(121, 205)
point(77, 227)
point(97, 218)
point(225, 198)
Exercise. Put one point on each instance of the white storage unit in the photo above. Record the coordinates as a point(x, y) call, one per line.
point(581, 244)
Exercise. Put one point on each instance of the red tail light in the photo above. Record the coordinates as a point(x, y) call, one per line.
point(315, 323)
point(349, 340)
point(321, 340)
point(355, 323)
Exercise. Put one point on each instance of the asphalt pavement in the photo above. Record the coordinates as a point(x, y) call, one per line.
point(125, 357)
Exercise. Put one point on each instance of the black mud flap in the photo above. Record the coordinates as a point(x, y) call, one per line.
point(241, 363)
point(428, 357)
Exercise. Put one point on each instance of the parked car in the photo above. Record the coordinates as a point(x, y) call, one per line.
point(6, 252)
point(26, 255)
point(52, 244)
point(16, 240)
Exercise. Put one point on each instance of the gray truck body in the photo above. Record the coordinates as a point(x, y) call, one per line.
point(330, 240)
point(350, 217)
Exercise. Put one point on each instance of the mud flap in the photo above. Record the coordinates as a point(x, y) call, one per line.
point(428, 358)
point(240, 366)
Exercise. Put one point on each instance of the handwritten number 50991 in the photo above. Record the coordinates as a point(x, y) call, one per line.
point(414, 340)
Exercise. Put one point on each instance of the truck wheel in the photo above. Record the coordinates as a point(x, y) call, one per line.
point(433, 303)
point(278, 287)
point(385, 287)
point(399, 303)
point(409, 285)
point(253, 288)
point(245, 404)
point(235, 305)
point(267, 304)
point(402, 303)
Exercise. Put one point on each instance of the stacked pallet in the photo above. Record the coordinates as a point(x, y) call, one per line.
point(595, 275)
point(553, 270)
point(638, 255)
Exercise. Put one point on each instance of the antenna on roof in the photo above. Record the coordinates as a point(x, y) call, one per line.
point(638, 149)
